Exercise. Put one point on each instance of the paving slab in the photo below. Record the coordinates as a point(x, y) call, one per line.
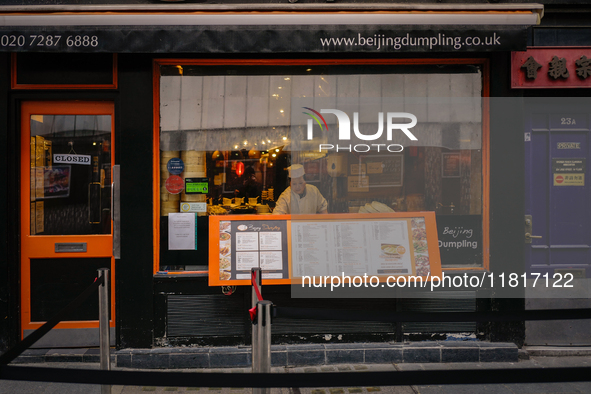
point(289, 355)
point(23, 387)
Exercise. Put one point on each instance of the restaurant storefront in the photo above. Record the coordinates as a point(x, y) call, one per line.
point(555, 82)
point(202, 110)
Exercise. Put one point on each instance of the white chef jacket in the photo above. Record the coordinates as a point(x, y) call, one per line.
point(311, 201)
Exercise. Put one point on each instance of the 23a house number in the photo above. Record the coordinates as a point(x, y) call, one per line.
point(568, 121)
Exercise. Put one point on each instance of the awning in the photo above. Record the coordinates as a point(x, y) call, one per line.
point(264, 28)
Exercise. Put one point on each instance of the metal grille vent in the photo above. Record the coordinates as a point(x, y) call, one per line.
point(205, 315)
point(462, 302)
point(310, 326)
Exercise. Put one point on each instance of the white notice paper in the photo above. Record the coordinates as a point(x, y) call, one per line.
point(271, 261)
point(247, 241)
point(270, 240)
point(181, 231)
point(246, 260)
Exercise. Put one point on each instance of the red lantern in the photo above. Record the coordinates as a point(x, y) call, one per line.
point(239, 168)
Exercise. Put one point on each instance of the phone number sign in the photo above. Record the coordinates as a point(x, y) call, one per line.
point(48, 41)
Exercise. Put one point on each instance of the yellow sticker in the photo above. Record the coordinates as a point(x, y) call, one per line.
point(569, 180)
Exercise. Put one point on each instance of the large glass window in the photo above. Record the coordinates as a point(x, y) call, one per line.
point(241, 128)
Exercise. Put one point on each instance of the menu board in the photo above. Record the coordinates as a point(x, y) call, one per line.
point(288, 248)
point(247, 244)
point(372, 247)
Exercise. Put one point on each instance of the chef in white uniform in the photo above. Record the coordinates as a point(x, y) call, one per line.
point(300, 197)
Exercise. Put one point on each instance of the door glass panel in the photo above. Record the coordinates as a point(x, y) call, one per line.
point(70, 174)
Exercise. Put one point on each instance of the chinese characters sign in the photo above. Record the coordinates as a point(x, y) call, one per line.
point(551, 67)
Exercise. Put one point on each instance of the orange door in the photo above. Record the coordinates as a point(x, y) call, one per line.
point(66, 226)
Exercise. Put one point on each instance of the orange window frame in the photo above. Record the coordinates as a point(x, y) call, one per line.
point(29, 86)
point(484, 63)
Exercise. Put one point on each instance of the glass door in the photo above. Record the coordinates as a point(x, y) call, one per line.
point(66, 226)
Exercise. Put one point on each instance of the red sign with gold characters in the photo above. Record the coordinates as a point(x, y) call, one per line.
point(551, 67)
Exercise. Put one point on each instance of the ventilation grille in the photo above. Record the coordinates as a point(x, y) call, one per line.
point(205, 315)
point(305, 326)
point(462, 302)
point(219, 315)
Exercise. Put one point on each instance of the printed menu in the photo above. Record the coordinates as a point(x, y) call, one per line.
point(245, 245)
point(372, 247)
point(288, 248)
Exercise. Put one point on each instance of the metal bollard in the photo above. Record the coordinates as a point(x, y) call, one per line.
point(104, 340)
point(254, 301)
point(264, 335)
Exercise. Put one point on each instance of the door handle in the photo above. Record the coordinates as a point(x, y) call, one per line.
point(116, 211)
point(528, 230)
point(530, 237)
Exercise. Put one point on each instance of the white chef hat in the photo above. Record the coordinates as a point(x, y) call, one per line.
point(296, 171)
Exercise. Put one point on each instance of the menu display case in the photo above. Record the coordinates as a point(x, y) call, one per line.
point(288, 248)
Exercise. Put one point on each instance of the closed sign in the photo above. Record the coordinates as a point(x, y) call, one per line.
point(72, 159)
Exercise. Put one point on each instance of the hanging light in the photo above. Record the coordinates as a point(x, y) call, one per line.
point(239, 168)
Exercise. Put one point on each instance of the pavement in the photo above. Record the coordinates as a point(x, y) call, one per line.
point(25, 387)
point(294, 355)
